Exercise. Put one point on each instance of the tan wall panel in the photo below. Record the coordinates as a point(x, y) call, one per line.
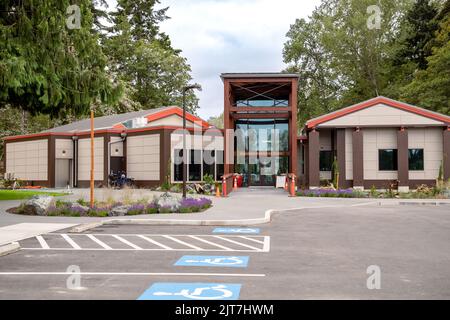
point(429, 139)
point(27, 159)
point(84, 159)
point(348, 154)
point(63, 149)
point(143, 157)
point(375, 139)
point(173, 120)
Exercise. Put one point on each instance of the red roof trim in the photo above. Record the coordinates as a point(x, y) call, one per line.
point(117, 131)
point(177, 111)
point(372, 102)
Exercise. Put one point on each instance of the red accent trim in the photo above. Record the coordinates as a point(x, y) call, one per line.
point(177, 111)
point(117, 131)
point(302, 138)
point(378, 100)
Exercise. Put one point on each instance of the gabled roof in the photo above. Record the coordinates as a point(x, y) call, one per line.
point(375, 101)
point(116, 120)
point(104, 122)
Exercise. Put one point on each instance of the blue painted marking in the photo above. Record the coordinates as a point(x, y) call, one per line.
point(236, 230)
point(213, 261)
point(192, 291)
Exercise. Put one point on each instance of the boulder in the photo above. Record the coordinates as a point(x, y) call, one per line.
point(119, 211)
point(38, 205)
point(167, 200)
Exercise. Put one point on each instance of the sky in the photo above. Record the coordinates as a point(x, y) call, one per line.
point(218, 36)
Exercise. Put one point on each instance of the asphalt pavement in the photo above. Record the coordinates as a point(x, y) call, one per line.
point(322, 253)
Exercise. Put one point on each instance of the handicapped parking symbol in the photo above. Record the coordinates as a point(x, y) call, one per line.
point(213, 261)
point(191, 291)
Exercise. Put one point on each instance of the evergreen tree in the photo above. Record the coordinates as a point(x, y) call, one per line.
point(143, 56)
point(418, 29)
point(430, 88)
point(46, 67)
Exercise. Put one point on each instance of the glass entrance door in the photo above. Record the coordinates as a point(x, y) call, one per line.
point(261, 172)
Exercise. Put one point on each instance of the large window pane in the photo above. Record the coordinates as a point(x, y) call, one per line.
point(415, 159)
point(178, 165)
point(195, 166)
point(387, 159)
point(219, 164)
point(208, 162)
point(326, 160)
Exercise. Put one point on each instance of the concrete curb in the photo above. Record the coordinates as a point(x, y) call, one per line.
point(9, 248)
point(85, 226)
point(254, 221)
point(159, 222)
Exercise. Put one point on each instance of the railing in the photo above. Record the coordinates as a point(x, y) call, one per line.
point(289, 185)
point(227, 184)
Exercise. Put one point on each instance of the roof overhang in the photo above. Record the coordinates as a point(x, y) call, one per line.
point(313, 123)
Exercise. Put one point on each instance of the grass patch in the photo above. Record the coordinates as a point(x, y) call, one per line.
point(25, 194)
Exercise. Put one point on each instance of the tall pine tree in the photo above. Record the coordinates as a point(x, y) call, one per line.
point(47, 67)
point(142, 56)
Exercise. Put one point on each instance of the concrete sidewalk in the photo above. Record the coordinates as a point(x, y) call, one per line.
point(243, 207)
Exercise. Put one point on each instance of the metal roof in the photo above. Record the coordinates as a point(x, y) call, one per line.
point(258, 75)
point(104, 122)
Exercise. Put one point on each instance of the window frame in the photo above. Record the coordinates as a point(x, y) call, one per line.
point(394, 162)
point(423, 159)
point(331, 163)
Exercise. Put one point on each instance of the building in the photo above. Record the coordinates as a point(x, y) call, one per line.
point(256, 104)
point(375, 143)
point(145, 144)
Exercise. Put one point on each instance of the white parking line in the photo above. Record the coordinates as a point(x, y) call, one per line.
point(42, 242)
point(70, 241)
point(238, 243)
point(251, 239)
point(99, 242)
point(154, 242)
point(211, 243)
point(183, 243)
point(127, 242)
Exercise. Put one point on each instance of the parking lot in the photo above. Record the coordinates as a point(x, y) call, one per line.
point(302, 254)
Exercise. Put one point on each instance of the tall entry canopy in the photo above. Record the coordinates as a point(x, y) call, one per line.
point(256, 105)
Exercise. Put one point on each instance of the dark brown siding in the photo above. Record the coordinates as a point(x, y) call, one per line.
point(402, 157)
point(340, 156)
point(313, 159)
point(446, 161)
point(358, 159)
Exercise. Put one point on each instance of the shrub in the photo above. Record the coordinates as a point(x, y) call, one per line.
point(98, 211)
point(82, 202)
point(136, 209)
point(165, 209)
point(151, 208)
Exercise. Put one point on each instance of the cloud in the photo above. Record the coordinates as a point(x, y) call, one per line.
point(230, 36)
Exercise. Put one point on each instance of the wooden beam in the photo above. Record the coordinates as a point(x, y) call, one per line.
point(265, 109)
point(260, 115)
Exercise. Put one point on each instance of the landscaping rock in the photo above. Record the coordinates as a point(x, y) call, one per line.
point(167, 200)
point(119, 211)
point(38, 205)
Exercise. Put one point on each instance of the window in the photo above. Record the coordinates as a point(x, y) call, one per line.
point(219, 164)
point(387, 159)
point(208, 162)
point(326, 160)
point(195, 166)
point(178, 165)
point(415, 159)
